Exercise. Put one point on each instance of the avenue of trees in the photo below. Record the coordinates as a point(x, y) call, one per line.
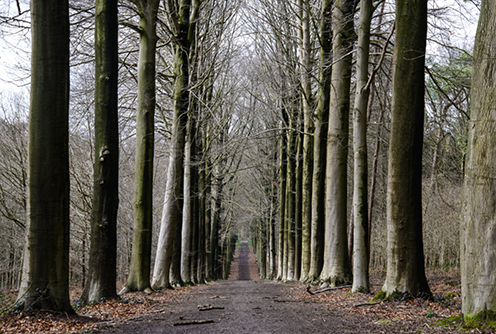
point(339, 136)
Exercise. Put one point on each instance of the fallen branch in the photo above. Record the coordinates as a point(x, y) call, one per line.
point(194, 322)
point(219, 297)
point(209, 307)
point(327, 289)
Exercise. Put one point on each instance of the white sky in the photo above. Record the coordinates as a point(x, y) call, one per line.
point(460, 31)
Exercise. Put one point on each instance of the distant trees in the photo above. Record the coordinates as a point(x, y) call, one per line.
point(252, 112)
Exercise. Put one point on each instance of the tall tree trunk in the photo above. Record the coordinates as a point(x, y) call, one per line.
point(308, 128)
point(336, 268)
point(360, 215)
point(262, 249)
point(202, 221)
point(291, 201)
point(139, 271)
point(187, 254)
point(478, 227)
point(405, 256)
point(171, 213)
point(298, 205)
point(45, 274)
point(208, 222)
point(214, 230)
point(103, 250)
point(320, 145)
point(283, 166)
point(272, 270)
point(175, 269)
point(187, 223)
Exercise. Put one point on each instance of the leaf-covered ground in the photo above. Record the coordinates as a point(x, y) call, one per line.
point(445, 284)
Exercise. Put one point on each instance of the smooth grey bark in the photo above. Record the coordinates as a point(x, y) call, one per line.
point(103, 251)
point(175, 269)
point(187, 223)
point(283, 165)
point(289, 244)
point(298, 204)
point(172, 211)
point(45, 272)
point(360, 215)
point(139, 271)
point(478, 220)
point(337, 270)
point(320, 145)
point(307, 142)
point(405, 257)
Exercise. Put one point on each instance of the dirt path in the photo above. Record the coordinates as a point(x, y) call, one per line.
point(247, 306)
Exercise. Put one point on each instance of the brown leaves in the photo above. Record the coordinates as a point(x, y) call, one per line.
point(130, 306)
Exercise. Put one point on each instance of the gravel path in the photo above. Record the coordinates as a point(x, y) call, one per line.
point(247, 306)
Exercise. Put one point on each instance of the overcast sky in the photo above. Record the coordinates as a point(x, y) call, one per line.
point(460, 30)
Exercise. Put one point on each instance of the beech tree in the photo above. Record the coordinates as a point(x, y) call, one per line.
point(337, 269)
point(308, 129)
point(45, 273)
point(102, 264)
point(320, 145)
point(360, 214)
point(405, 257)
point(478, 251)
point(139, 272)
point(172, 211)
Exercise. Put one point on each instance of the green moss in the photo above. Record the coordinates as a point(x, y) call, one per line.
point(482, 320)
point(451, 321)
point(396, 295)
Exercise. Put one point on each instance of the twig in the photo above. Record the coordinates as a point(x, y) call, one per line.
point(327, 289)
point(219, 297)
point(209, 307)
point(194, 322)
point(383, 54)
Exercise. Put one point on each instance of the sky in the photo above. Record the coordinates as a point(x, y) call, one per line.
point(460, 30)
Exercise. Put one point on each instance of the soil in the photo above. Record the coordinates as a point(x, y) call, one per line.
point(244, 304)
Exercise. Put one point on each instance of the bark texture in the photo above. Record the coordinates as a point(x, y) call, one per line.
point(360, 215)
point(139, 272)
point(172, 211)
point(45, 274)
point(307, 157)
point(320, 145)
point(405, 257)
point(103, 252)
point(478, 216)
point(337, 269)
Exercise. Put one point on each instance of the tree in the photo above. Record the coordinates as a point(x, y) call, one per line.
point(405, 257)
point(320, 145)
point(139, 272)
point(360, 214)
point(103, 252)
point(308, 128)
point(478, 252)
point(45, 276)
point(172, 211)
point(337, 268)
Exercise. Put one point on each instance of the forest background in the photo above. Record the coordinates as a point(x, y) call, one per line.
point(248, 71)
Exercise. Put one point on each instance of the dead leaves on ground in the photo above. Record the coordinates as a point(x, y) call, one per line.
point(131, 306)
point(444, 285)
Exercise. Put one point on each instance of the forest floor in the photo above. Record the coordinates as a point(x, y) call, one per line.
point(246, 304)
